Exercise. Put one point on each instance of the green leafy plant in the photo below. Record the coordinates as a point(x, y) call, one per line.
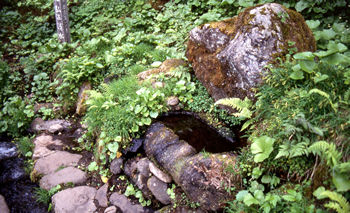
point(339, 203)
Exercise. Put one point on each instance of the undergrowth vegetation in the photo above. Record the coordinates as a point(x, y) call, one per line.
point(298, 130)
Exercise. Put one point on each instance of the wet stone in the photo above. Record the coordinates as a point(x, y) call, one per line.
point(116, 166)
point(3, 205)
point(101, 196)
point(63, 176)
point(159, 190)
point(75, 200)
point(122, 202)
point(7, 150)
point(111, 209)
point(159, 173)
point(43, 143)
point(59, 159)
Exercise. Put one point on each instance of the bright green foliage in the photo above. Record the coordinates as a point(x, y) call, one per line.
point(262, 148)
point(339, 204)
point(241, 105)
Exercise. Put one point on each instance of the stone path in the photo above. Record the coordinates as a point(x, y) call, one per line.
point(60, 167)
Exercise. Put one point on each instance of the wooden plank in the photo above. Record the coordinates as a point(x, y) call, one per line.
point(62, 20)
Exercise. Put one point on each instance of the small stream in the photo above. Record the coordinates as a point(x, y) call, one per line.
point(15, 184)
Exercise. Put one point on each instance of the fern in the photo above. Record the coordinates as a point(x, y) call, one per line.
point(241, 105)
point(326, 150)
point(291, 150)
point(340, 204)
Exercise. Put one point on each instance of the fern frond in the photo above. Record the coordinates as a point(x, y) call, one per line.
point(241, 105)
point(335, 206)
point(340, 205)
point(344, 167)
point(326, 150)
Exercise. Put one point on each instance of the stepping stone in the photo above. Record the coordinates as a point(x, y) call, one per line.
point(3, 206)
point(125, 205)
point(42, 143)
point(159, 190)
point(75, 200)
point(63, 176)
point(52, 126)
point(53, 162)
point(101, 195)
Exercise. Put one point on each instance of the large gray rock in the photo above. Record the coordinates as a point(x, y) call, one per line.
point(63, 176)
point(159, 190)
point(75, 200)
point(203, 178)
point(7, 150)
point(53, 162)
point(122, 202)
point(3, 205)
point(44, 145)
point(51, 126)
point(229, 56)
point(101, 195)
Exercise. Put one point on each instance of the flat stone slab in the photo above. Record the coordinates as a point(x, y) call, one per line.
point(3, 206)
point(63, 176)
point(75, 200)
point(125, 205)
point(52, 126)
point(51, 163)
point(42, 145)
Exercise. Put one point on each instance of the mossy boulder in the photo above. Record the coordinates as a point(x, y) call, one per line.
point(203, 177)
point(229, 56)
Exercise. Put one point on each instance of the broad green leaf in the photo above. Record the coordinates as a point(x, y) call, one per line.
point(301, 5)
point(337, 47)
point(335, 59)
point(320, 77)
point(241, 194)
point(307, 66)
point(138, 109)
point(262, 148)
point(297, 75)
point(313, 24)
point(135, 128)
point(304, 56)
point(98, 65)
point(249, 200)
point(327, 34)
point(318, 193)
point(259, 195)
point(257, 172)
point(154, 114)
point(341, 181)
point(113, 147)
point(266, 179)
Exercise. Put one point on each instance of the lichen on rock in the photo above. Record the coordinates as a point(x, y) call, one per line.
point(229, 56)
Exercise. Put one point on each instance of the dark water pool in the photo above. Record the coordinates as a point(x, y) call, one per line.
point(199, 134)
point(16, 187)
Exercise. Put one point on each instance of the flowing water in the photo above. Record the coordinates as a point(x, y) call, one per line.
point(15, 184)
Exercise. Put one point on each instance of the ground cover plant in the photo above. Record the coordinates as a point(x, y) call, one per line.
point(297, 158)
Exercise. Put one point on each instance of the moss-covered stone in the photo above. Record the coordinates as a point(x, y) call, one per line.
point(229, 56)
point(202, 177)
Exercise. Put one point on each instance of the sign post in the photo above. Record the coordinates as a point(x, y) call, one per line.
point(62, 20)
